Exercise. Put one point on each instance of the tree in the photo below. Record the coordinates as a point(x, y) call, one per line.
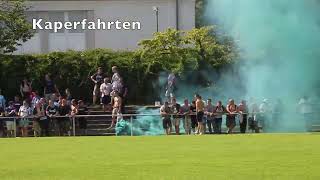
point(165, 51)
point(210, 49)
point(200, 13)
point(14, 28)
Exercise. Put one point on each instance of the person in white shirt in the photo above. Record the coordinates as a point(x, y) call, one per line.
point(106, 89)
point(24, 112)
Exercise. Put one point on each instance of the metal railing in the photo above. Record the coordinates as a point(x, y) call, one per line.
point(125, 116)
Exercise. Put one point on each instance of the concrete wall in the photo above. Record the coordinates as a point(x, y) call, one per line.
point(124, 10)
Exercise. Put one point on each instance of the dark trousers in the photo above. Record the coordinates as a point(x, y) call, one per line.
point(45, 127)
point(217, 125)
point(210, 124)
point(194, 122)
point(243, 125)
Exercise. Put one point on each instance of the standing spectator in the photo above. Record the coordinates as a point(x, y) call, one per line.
point(166, 121)
point(64, 122)
point(10, 112)
point(200, 112)
point(176, 119)
point(185, 111)
point(49, 87)
point(306, 110)
point(219, 111)
point(74, 112)
point(124, 95)
point(243, 110)
point(193, 116)
point(35, 99)
point(24, 112)
point(106, 89)
point(253, 119)
point(116, 104)
point(44, 121)
point(82, 110)
point(116, 80)
point(170, 86)
point(277, 113)
point(39, 115)
point(2, 107)
point(264, 113)
point(26, 89)
point(97, 78)
point(51, 112)
point(209, 110)
point(17, 103)
point(116, 76)
point(68, 96)
point(2, 100)
point(231, 116)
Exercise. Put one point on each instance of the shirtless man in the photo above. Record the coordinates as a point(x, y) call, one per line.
point(165, 111)
point(117, 101)
point(231, 116)
point(200, 112)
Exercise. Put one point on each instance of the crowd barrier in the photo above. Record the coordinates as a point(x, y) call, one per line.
point(131, 117)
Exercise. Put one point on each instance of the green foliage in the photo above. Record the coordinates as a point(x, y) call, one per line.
point(169, 51)
point(14, 27)
point(209, 49)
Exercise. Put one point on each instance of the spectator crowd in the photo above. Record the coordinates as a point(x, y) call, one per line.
point(53, 113)
point(57, 114)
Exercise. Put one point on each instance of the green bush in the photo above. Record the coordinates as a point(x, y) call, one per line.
point(169, 51)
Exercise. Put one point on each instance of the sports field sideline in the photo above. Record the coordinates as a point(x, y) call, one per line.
point(255, 156)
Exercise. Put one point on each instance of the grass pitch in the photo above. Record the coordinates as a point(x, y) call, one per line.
point(257, 156)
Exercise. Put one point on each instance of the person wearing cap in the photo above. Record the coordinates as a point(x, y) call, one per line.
point(243, 111)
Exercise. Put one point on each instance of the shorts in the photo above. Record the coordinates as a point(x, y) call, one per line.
point(10, 125)
point(230, 121)
point(106, 100)
point(96, 90)
point(200, 116)
point(24, 123)
point(115, 112)
point(166, 123)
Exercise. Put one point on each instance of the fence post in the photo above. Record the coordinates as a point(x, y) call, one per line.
point(131, 125)
point(15, 127)
point(74, 126)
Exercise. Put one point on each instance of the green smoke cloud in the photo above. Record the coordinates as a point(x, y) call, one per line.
point(279, 42)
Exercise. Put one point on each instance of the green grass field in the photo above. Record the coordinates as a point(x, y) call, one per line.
point(258, 156)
